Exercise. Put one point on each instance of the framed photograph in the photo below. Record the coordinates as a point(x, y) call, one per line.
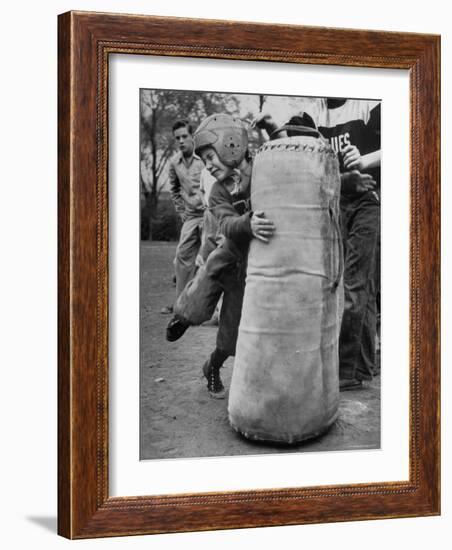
point(248, 275)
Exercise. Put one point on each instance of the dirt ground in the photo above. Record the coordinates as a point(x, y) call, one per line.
point(178, 417)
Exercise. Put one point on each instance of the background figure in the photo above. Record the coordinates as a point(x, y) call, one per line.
point(184, 177)
point(353, 129)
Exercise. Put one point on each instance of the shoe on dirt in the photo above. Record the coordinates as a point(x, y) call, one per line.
point(214, 384)
point(175, 329)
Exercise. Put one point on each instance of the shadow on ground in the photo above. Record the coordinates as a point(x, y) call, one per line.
point(49, 523)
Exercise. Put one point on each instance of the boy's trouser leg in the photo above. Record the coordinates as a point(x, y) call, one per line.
point(233, 285)
point(186, 251)
point(198, 300)
point(378, 300)
point(367, 358)
point(218, 357)
point(361, 223)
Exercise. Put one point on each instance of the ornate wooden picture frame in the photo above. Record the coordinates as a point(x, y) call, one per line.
point(86, 40)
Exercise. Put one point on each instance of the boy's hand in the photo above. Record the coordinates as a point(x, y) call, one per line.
point(261, 228)
point(265, 121)
point(352, 158)
point(354, 182)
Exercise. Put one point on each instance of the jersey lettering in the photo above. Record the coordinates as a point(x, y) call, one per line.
point(340, 142)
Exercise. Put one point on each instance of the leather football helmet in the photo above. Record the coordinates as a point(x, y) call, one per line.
point(226, 134)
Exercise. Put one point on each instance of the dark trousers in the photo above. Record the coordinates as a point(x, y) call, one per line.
point(232, 282)
point(360, 231)
point(223, 273)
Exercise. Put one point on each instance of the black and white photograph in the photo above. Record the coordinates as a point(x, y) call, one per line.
point(259, 274)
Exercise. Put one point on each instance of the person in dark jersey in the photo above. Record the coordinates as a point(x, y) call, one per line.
point(353, 129)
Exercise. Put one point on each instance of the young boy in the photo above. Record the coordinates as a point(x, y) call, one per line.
point(221, 141)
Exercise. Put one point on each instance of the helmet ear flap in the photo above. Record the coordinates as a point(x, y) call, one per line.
point(204, 138)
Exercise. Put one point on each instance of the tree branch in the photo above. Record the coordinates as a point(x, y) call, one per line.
point(166, 153)
point(144, 189)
